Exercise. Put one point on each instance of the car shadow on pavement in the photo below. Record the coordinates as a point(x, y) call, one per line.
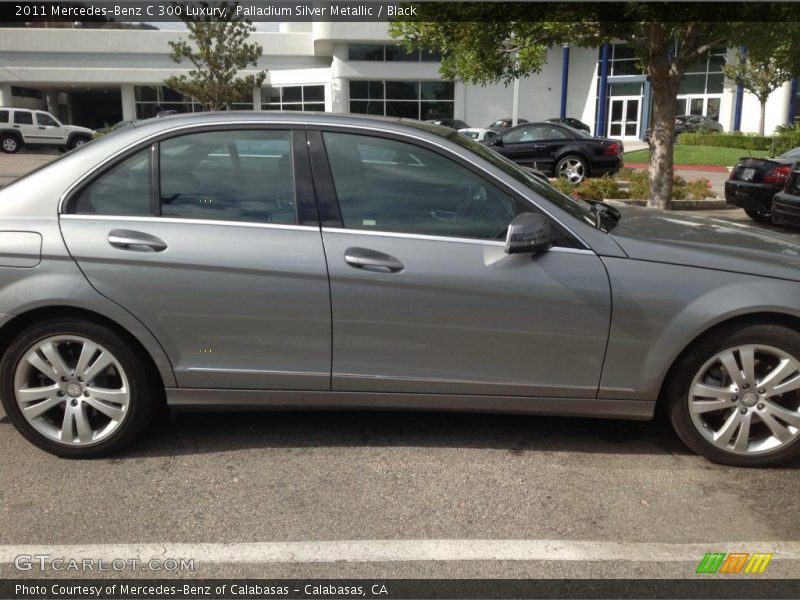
point(196, 433)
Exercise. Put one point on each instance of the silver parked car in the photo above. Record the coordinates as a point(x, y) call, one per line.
point(246, 260)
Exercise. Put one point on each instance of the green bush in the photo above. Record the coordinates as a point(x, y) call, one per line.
point(727, 140)
point(786, 141)
point(699, 189)
point(590, 189)
point(639, 186)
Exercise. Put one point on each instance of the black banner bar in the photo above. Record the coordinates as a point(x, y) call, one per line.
point(733, 587)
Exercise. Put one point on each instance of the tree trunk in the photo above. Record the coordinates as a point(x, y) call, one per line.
point(665, 90)
point(762, 117)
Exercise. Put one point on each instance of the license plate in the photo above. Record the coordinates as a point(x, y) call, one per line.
point(747, 174)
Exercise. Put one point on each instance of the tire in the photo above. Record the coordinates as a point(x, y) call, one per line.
point(78, 141)
point(10, 144)
point(713, 420)
point(572, 167)
point(757, 216)
point(105, 414)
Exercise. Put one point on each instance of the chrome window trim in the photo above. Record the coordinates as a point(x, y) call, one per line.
point(442, 238)
point(289, 126)
point(142, 219)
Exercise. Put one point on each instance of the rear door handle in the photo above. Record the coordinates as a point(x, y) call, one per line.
point(126, 239)
point(372, 260)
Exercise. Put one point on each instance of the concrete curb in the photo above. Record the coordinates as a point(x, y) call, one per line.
point(682, 204)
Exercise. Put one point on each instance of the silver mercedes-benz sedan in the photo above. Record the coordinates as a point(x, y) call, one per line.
point(262, 260)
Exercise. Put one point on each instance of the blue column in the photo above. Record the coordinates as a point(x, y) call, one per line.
point(737, 110)
point(564, 80)
point(792, 100)
point(600, 128)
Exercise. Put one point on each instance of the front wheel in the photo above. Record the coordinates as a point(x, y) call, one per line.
point(77, 142)
point(76, 389)
point(572, 168)
point(9, 144)
point(735, 396)
point(757, 215)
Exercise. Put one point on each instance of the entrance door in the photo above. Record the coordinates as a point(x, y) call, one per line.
point(623, 117)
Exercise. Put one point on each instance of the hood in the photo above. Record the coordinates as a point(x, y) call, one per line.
point(78, 129)
point(665, 237)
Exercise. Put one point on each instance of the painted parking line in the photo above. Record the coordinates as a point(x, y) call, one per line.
point(405, 551)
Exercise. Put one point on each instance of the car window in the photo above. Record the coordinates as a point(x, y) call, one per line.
point(45, 120)
point(3, 116)
point(122, 191)
point(413, 190)
point(23, 117)
point(534, 133)
point(229, 176)
point(792, 154)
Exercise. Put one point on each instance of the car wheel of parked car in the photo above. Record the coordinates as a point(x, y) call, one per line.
point(758, 216)
point(735, 396)
point(572, 168)
point(9, 143)
point(77, 142)
point(76, 389)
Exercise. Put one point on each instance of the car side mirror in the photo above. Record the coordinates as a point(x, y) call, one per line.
point(529, 232)
point(496, 141)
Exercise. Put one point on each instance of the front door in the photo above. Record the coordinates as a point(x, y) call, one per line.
point(424, 297)
point(222, 260)
point(48, 130)
point(623, 119)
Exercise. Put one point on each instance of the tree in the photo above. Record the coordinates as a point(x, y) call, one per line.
point(491, 42)
point(766, 66)
point(219, 51)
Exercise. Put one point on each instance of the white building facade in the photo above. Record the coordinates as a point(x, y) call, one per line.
point(96, 77)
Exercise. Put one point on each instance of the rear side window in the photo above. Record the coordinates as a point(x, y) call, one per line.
point(3, 116)
point(229, 176)
point(122, 191)
point(23, 118)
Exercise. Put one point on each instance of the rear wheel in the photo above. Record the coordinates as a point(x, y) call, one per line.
point(757, 215)
point(9, 144)
point(76, 389)
point(735, 398)
point(572, 168)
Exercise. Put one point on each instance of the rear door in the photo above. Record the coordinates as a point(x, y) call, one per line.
point(23, 122)
point(424, 298)
point(222, 259)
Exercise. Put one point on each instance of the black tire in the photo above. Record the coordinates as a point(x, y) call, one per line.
point(78, 140)
point(677, 390)
point(10, 143)
point(758, 216)
point(574, 158)
point(145, 391)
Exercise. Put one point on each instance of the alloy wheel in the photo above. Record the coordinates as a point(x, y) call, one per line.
point(71, 390)
point(745, 400)
point(572, 170)
point(9, 144)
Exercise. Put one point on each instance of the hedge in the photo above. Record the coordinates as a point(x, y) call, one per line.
point(778, 144)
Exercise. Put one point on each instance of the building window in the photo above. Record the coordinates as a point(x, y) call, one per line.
point(150, 100)
point(410, 99)
point(390, 53)
point(294, 97)
point(701, 89)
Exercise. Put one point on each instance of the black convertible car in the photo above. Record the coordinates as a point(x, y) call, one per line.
point(559, 151)
point(754, 182)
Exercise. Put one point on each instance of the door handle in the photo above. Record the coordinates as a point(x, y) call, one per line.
point(125, 239)
point(372, 260)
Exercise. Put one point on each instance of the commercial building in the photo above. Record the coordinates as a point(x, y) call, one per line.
point(95, 77)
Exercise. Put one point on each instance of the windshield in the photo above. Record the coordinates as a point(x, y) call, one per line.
point(577, 208)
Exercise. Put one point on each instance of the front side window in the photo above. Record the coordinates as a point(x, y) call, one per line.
point(45, 120)
point(228, 176)
point(386, 185)
point(533, 134)
point(23, 118)
point(122, 191)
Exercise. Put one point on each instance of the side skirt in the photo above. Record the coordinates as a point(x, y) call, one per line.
point(184, 399)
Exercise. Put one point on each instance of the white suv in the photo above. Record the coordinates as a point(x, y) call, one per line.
point(25, 127)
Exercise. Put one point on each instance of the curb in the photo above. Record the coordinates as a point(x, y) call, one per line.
point(706, 168)
point(683, 204)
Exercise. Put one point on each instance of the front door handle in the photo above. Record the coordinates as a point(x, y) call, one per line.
point(125, 239)
point(372, 260)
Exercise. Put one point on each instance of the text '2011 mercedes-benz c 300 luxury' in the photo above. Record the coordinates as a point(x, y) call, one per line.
point(294, 261)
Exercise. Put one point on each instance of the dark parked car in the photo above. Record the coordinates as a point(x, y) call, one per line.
point(503, 124)
point(692, 123)
point(559, 150)
point(448, 122)
point(754, 181)
point(786, 203)
point(575, 123)
point(299, 261)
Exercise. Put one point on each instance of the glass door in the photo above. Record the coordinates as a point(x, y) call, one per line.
point(623, 117)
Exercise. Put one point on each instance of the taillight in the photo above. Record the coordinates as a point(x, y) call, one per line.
point(613, 149)
point(778, 175)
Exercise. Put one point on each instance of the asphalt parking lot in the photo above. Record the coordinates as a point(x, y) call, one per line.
point(386, 494)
